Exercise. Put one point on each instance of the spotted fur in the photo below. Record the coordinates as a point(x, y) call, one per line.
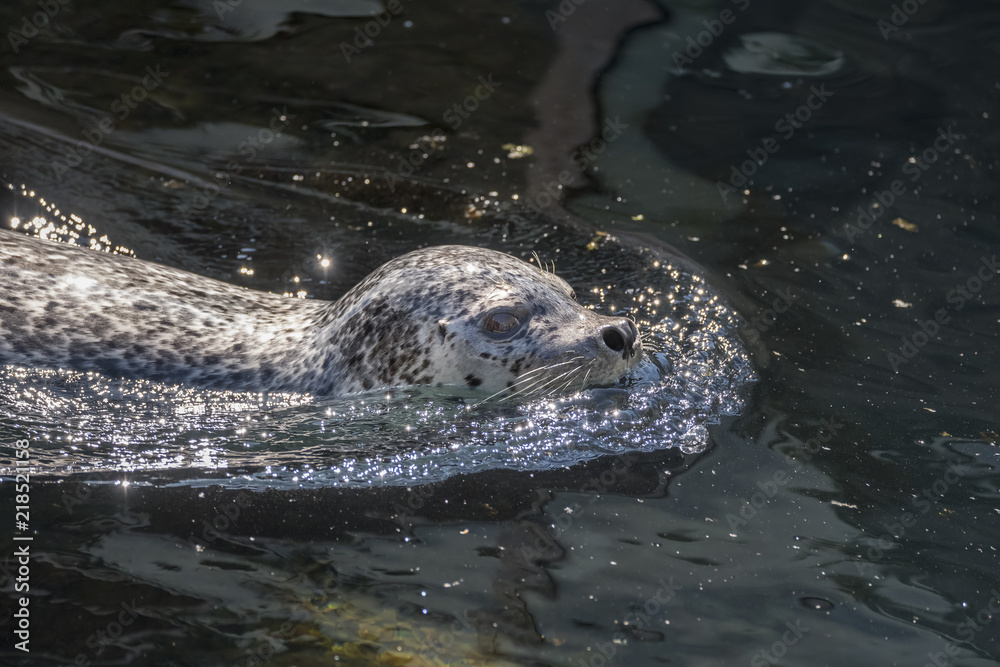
point(417, 320)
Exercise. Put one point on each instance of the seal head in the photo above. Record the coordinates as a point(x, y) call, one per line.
point(459, 315)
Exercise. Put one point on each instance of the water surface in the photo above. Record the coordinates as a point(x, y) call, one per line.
point(804, 472)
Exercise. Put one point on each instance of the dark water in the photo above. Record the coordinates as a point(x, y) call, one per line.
point(820, 487)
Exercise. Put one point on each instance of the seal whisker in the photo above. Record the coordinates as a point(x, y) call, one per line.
point(529, 386)
point(525, 378)
point(648, 342)
point(542, 369)
point(570, 372)
point(565, 385)
point(544, 266)
point(529, 375)
point(586, 376)
point(538, 260)
point(530, 383)
point(539, 389)
point(545, 388)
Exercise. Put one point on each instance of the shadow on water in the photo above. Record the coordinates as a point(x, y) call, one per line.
point(811, 478)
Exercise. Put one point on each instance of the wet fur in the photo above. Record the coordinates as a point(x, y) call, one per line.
point(415, 320)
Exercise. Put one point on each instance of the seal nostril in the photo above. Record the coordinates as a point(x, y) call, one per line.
point(614, 339)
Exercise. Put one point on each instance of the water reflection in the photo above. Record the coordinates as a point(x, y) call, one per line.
point(695, 373)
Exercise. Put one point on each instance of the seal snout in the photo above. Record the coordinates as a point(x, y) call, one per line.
point(623, 338)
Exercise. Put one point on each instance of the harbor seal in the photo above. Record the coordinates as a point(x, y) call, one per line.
point(445, 315)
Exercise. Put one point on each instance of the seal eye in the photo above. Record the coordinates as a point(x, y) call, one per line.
point(500, 323)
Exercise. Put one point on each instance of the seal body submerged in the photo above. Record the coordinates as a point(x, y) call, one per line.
point(445, 315)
